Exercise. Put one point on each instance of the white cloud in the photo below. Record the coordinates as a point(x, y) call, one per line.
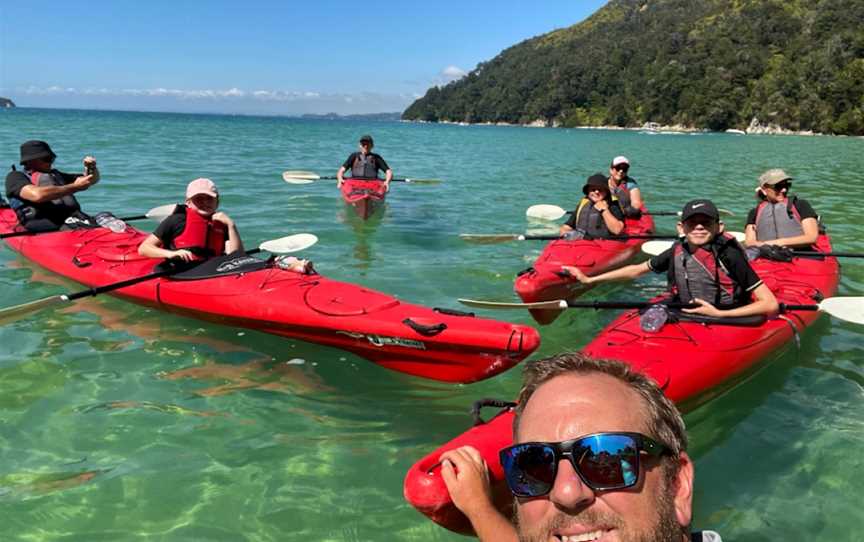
point(452, 73)
point(232, 99)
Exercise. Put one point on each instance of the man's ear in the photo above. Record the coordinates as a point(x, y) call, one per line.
point(683, 490)
point(680, 227)
point(721, 227)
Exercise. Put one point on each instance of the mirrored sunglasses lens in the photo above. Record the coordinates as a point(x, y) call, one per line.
point(529, 469)
point(609, 461)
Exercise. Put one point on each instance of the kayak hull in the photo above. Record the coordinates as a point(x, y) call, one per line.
point(429, 343)
point(543, 281)
point(364, 196)
point(693, 363)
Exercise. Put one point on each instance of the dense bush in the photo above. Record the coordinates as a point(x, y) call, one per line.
point(713, 64)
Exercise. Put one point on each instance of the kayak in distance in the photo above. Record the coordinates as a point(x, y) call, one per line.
point(438, 344)
point(694, 360)
point(365, 196)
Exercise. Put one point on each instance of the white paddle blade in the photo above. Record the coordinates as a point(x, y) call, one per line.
point(162, 212)
point(545, 212)
point(299, 177)
point(738, 235)
point(655, 248)
point(850, 309)
point(557, 304)
point(490, 237)
point(22, 311)
point(291, 243)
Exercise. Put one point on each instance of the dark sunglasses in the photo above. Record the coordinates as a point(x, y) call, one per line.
point(705, 221)
point(621, 167)
point(604, 462)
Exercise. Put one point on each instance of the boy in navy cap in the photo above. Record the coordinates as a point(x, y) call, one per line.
point(707, 268)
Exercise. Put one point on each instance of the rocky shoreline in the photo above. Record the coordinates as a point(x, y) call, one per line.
point(755, 127)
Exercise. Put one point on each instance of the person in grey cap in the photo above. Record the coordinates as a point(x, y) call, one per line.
point(365, 164)
point(780, 219)
point(43, 196)
point(708, 268)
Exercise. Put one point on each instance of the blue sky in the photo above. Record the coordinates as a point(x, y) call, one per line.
point(256, 57)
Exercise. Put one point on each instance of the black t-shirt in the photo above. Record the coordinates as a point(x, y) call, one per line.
point(614, 208)
point(801, 205)
point(732, 258)
point(380, 164)
point(171, 228)
point(16, 180)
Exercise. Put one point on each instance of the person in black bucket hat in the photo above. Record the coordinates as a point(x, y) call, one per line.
point(43, 196)
point(598, 213)
point(365, 164)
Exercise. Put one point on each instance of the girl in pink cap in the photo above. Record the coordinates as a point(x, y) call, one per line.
point(195, 231)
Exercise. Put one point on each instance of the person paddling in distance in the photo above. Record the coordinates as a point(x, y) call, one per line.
point(365, 164)
point(598, 453)
point(708, 268)
point(779, 219)
point(598, 213)
point(625, 188)
point(42, 196)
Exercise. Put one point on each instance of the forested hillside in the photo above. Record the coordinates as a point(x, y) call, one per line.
point(713, 64)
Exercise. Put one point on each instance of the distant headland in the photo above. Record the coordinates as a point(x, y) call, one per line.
point(6, 102)
point(377, 117)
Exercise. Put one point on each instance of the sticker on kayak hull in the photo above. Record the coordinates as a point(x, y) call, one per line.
point(378, 340)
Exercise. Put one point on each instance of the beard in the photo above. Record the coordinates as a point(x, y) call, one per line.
point(664, 529)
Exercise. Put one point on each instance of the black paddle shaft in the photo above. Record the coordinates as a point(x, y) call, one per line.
point(130, 282)
point(593, 238)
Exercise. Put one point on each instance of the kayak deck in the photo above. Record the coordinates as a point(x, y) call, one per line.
point(544, 281)
point(364, 196)
point(448, 346)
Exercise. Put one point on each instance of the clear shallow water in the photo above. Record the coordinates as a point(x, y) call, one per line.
point(122, 423)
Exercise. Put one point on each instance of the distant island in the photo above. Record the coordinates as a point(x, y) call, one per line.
point(375, 117)
point(6, 102)
point(760, 66)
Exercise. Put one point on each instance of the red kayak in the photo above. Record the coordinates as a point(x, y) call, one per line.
point(364, 195)
point(543, 281)
point(439, 344)
point(692, 361)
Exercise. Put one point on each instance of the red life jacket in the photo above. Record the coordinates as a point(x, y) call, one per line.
point(203, 237)
point(702, 274)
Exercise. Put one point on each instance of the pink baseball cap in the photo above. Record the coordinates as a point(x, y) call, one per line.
point(201, 186)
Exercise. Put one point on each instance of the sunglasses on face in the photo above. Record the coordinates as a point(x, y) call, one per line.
point(604, 462)
point(621, 167)
point(703, 221)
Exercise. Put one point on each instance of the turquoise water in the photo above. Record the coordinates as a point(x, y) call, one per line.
point(122, 423)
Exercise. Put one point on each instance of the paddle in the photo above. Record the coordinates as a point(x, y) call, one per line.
point(487, 238)
point(157, 213)
point(553, 212)
point(850, 309)
point(306, 177)
point(283, 245)
point(658, 247)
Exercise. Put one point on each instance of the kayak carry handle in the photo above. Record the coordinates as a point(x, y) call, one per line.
point(425, 330)
point(480, 403)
